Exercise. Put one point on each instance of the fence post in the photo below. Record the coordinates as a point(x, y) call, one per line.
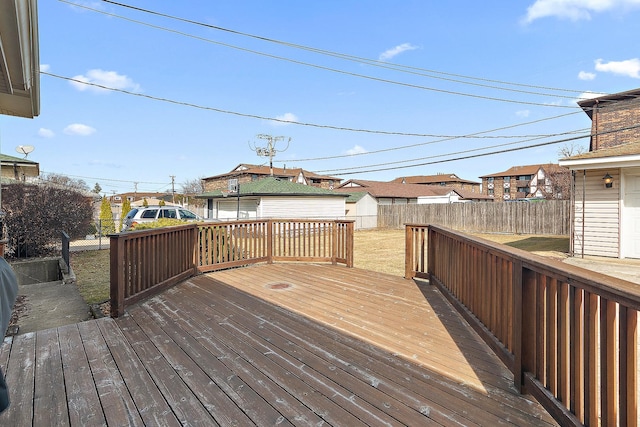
point(65, 248)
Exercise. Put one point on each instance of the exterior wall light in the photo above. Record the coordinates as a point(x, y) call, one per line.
point(608, 180)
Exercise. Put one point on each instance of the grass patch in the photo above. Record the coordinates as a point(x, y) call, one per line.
point(92, 274)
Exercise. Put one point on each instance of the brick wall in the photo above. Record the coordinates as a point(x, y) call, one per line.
point(611, 116)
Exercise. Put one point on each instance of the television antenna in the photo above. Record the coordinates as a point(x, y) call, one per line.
point(25, 149)
point(270, 150)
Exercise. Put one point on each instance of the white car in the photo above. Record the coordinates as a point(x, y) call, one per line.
point(153, 213)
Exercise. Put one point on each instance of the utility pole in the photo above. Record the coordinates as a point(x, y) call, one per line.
point(173, 189)
point(270, 150)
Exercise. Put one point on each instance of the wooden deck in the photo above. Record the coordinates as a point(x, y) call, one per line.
point(281, 344)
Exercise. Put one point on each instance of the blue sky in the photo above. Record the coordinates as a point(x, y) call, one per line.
point(364, 89)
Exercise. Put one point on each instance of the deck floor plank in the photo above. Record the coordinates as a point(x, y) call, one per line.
point(327, 409)
point(201, 328)
point(433, 394)
point(82, 396)
point(49, 400)
point(21, 370)
point(217, 402)
point(154, 409)
point(258, 337)
point(117, 404)
point(185, 405)
point(282, 344)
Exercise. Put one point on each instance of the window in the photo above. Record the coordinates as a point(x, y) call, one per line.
point(149, 213)
point(491, 191)
point(507, 179)
point(184, 214)
point(525, 177)
point(168, 213)
point(490, 179)
point(524, 190)
point(117, 198)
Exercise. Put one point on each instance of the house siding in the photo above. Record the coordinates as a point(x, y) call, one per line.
point(303, 207)
point(364, 212)
point(596, 215)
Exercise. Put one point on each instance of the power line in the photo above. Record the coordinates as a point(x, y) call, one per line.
point(247, 115)
point(415, 86)
point(378, 63)
point(350, 171)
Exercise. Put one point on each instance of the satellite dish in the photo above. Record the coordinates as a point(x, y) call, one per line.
point(25, 149)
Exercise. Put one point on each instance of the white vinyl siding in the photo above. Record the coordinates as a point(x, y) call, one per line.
point(302, 207)
point(596, 219)
point(364, 212)
point(227, 209)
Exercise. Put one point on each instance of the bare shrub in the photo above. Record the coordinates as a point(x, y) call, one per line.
point(36, 215)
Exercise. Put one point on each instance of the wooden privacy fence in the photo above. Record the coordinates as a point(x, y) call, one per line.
point(146, 262)
point(550, 217)
point(569, 335)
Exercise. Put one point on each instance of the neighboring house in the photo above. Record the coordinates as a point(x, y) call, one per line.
point(549, 181)
point(16, 169)
point(19, 59)
point(606, 180)
point(138, 198)
point(365, 196)
point(450, 180)
point(246, 173)
point(272, 197)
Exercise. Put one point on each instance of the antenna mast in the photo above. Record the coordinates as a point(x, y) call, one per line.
point(270, 150)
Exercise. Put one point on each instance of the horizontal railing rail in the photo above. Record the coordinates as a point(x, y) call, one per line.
point(569, 335)
point(146, 262)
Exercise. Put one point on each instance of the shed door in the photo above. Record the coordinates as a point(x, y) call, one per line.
point(631, 215)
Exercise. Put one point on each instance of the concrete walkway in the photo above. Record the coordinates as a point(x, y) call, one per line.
point(49, 305)
point(627, 269)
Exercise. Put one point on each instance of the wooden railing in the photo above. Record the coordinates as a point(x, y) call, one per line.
point(146, 262)
point(569, 335)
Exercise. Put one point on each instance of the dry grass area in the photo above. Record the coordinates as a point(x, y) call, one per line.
point(383, 250)
point(376, 250)
point(91, 268)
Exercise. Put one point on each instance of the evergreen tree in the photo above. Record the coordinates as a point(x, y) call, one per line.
point(162, 202)
point(126, 207)
point(144, 202)
point(107, 225)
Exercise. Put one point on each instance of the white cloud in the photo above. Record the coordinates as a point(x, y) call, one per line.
point(45, 67)
point(356, 150)
point(575, 10)
point(394, 51)
point(45, 133)
point(584, 75)
point(283, 119)
point(523, 113)
point(110, 79)
point(629, 67)
point(79, 130)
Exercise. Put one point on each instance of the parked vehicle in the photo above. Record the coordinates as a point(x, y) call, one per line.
point(153, 213)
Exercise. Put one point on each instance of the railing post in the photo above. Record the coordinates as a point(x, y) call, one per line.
point(270, 240)
point(431, 252)
point(518, 375)
point(350, 227)
point(334, 242)
point(116, 275)
point(408, 252)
